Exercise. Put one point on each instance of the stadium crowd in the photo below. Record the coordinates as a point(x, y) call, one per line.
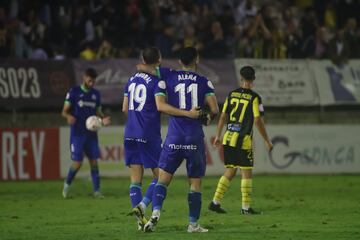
point(101, 29)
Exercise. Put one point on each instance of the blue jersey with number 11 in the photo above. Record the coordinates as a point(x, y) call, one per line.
point(184, 90)
point(143, 122)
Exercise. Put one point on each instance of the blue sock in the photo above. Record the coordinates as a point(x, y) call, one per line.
point(149, 192)
point(71, 174)
point(159, 196)
point(194, 199)
point(95, 178)
point(135, 194)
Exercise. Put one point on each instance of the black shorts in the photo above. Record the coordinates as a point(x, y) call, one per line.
point(238, 158)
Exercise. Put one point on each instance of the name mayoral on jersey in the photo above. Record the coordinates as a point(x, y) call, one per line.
point(144, 76)
point(185, 76)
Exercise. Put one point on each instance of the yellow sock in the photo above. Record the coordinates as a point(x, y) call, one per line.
point(246, 190)
point(221, 189)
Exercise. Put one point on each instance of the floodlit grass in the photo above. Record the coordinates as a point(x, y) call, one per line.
point(295, 207)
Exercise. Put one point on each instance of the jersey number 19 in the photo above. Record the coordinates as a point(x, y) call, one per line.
point(137, 94)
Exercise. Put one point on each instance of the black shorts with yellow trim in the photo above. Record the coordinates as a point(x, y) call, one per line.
point(235, 157)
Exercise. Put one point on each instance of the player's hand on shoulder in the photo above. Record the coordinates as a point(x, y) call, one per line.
point(269, 145)
point(106, 121)
point(217, 141)
point(71, 119)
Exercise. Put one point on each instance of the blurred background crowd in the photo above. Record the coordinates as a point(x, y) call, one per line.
point(102, 29)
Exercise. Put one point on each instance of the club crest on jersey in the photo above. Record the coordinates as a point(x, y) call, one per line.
point(162, 84)
point(186, 76)
point(210, 85)
point(93, 97)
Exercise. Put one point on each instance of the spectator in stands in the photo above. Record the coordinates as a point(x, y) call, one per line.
point(106, 50)
point(81, 31)
point(258, 35)
point(88, 53)
point(38, 52)
point(132, 24)
point(316, 46)
point(59, 53)
point(246, 9)
point(215, 46)
point(33, 30)
point(339, 49)
point(165, 42)
point(330, 18)
point(6, 38)
point(352, 36)
point(179, 20)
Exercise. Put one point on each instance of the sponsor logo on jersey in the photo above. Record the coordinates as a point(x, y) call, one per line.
point(184, 147)
point(234, 127)
point(82, 103)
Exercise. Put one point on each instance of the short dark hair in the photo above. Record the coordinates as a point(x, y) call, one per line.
point(188, 55)
point(151, 55)
point(248, 73)
point(90, 72)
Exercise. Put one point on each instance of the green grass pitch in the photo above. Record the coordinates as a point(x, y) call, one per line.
point(295, 207)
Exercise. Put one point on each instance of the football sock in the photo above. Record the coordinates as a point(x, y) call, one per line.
point(246, 190)
point(221, 189)
point(95, 178)
point(135, 194)
point(194, 200)
point(71, 174)
point(159, 196)
point(149, 192)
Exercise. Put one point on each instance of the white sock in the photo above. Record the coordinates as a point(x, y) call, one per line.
point(143, 206)
point(156, 213)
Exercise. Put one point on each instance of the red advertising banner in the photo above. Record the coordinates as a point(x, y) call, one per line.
point(29, 154)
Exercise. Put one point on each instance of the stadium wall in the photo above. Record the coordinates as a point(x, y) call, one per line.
point(43, 153)
point(43, 85)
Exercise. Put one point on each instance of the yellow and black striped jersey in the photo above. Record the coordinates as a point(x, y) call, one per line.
point(242, 106)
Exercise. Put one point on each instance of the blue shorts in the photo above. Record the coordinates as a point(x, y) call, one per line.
point(176, 149)
point(84, 144)
point(142, 153)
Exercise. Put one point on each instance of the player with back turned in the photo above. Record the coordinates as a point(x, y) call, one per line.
point(142, 138)
point(82, 102)
point(184, 89)
point(242, 108)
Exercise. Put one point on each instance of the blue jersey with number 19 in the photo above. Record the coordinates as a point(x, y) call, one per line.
point(143, 121)
point(184, 90)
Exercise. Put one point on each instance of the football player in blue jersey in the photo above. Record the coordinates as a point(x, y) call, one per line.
point(142, 138)
point(82, 102)
point(184, 89)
